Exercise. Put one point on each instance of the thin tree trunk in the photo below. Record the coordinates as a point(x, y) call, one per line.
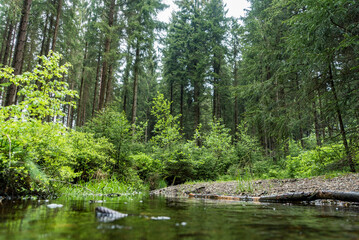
point(82, 85)
point(49, 33)
point(351, 163)
point(3, 39)
point(98, 72)
point(181, 107)
point(44, 36)
point(109, 86)
point(9, 38)
point(135, 85)
point(236, 105)
point(58, 16)
point(126, 77)
point(70, 115)
point(19, 50)
point(316, 124)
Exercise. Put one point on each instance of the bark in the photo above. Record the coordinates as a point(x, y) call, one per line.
point(58, 16)
point(216, 95)
point(7, 47)
point(125, 80)
point(105, 61)
point(81, 101)
point(44, 36)
point(236, 105)
point(135, 85)
point(316, 125)
point(98, 74)
point(19, 50)
point(3, 39)
point(70, 115)
point(181, 107)
point(349, 156)
point(48, 37)
point(109, 89)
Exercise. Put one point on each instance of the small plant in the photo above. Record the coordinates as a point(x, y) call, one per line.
point(245, 183)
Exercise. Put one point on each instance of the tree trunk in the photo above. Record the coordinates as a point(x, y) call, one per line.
point(98, 74)
point(181, 107)
point(135, 85)
point(9, 38)
point(82, 86)
point(109, 89)
point(236, 105)
point(42, 50)
point(49, 33)
point(70, 115)
point(316, 124)
point(216, 95)
point(19, 50)
point(3, 39)
point(351, 163)
point(105, 57)
point(58, 16)
point(126, 77)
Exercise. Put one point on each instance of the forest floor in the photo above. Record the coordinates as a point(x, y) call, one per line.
point(258, 188)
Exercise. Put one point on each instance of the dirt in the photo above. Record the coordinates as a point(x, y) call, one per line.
point(257, 188)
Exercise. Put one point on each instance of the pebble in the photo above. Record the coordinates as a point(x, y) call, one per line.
point(53, 205)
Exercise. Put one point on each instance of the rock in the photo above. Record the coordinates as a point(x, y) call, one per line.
point(54, 205)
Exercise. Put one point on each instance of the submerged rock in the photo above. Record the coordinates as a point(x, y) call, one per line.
point(104, 214)
point(54, 205)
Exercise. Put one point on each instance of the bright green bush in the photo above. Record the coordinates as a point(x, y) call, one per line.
point(115, 127)
point(35, 155)
point(91, 157)
point(322, 160)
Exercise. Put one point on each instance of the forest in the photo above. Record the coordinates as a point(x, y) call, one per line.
point(95, 91)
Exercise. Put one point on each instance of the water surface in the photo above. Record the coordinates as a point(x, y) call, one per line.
point(161, 218)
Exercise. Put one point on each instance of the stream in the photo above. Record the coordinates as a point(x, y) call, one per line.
point(157, 218)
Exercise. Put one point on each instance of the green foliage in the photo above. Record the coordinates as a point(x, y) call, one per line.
point(113, 126)
point(322, 160)
point(166, 130)
point(43, 90)
point(35, 155)
point(91, 157)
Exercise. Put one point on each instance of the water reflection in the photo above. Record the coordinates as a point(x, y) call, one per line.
point(161, 218)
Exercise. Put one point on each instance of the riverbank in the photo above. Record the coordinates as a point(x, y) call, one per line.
point(258, 188)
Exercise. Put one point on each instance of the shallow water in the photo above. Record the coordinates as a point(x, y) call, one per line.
point(161, 218)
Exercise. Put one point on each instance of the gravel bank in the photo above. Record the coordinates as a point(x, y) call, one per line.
point(257, 188)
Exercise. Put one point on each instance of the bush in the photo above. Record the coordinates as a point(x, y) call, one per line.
point(322, 160)
point(113, 126)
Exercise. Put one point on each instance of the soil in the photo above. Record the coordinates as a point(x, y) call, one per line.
point(258, 188)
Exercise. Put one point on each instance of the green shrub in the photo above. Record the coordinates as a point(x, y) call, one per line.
point(322, 160)
point(113, 126)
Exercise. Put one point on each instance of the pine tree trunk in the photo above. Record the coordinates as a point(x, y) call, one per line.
point(181, 107)
point(351, 163)
point(109, 89)
point(103, 87)
point(42, 50)
point(316, 124)
point(49, 33)
point(9, 38)
point(70, 115)
point(126, 77)
point(3, 39)
point(82, 86)
point(19, 50)
point(58, 16)
point(135, 85)
point(98, 75)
